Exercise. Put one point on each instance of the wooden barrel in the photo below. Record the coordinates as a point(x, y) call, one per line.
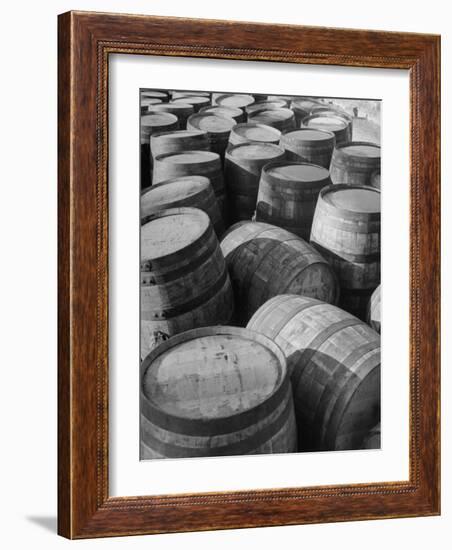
point(309, 145)
point(282, 119)
point(194, 191)
point(227, 112)
point(243, 165)
point(178, 141)
point(331, 123)
point(373, 439)
point(177, 94)
point(288, 193)
point(197, 101)
point(216, 127)
point(149, 124)
point(184, 280)
point(244, 133)
point(265, 106)
point(193, 163)
point(375, 179)
point(259, 98)
point(302, 108)
point(265, 261)
point(332, 111)
point(236, 101)
point(216, 391)
point(181, 110)
point(346, 231)
point(373, 310)
point(334, 362)
point(355, 162)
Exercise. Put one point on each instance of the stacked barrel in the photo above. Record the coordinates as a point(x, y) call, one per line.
point(260, 274)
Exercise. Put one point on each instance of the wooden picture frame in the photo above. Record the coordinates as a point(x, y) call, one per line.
point(86, 40)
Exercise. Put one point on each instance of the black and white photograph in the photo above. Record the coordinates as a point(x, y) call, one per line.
point(259, 273)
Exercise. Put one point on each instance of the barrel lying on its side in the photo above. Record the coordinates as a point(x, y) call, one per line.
point(334, 362)
point(373, 310)
point(346, 231)
point(288, 193)
point(265, 261)
point(184, 279)
point(217, 391)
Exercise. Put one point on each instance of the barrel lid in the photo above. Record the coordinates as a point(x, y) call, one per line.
point(171, 230)
point(154, 93)
point(192, 100)
point(210, 122)
point(255, 151)
point(176, 94)
point(303, 103)
point(328, 122)
point(213, 373)
point(361, 149)
point(158, 119)
point(173, 190)
point(257, 132)
point(270, 115)
point(235, 100)
point(353, 198)
point(171, 106)
point(266, 105)
point(222, 110)
point(309, 134)
point(150, 101)
point(297, 171)
point(178, 134)
point(188, 157)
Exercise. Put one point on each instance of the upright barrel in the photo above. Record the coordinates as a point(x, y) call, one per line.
point(334, 362)
point(302, 108)
point(332, 111)
point(244, 133)
point(355, 162)
point(184, 279)
point(178, 141)
point(236, 101)
point(346, 231)
point(181, 110)
point(194, 191)
point(309, 145)
point(193, 163)
point(177, 94)
point(243, 165)
point(196, 101)
point(146, 101)
point(155, 94)
point(373, 310)
point(340, 127)
point(216, 391)
point(282, 119)
point(265, 261)
point(149, 124)
point(226, 112)
point(217, 129)
point(288, 193)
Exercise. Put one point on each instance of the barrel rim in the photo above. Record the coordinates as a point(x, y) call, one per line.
point(159, 113)
point(298, 100)
point(199, 179)
point(190, 97)
point(307, 129)
point(229, 94)
point(192, 120)
point(234, 147)
point(249, 415)
point(166, 133)
point(256, 105)
point(326, 108)
point(319, 115)
point(210, 156)
point(177, 211)
point(346, 144)
point(292, 183)
point(236, 110)
point(288, 109)
point(240, 125)
point(344, 186)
